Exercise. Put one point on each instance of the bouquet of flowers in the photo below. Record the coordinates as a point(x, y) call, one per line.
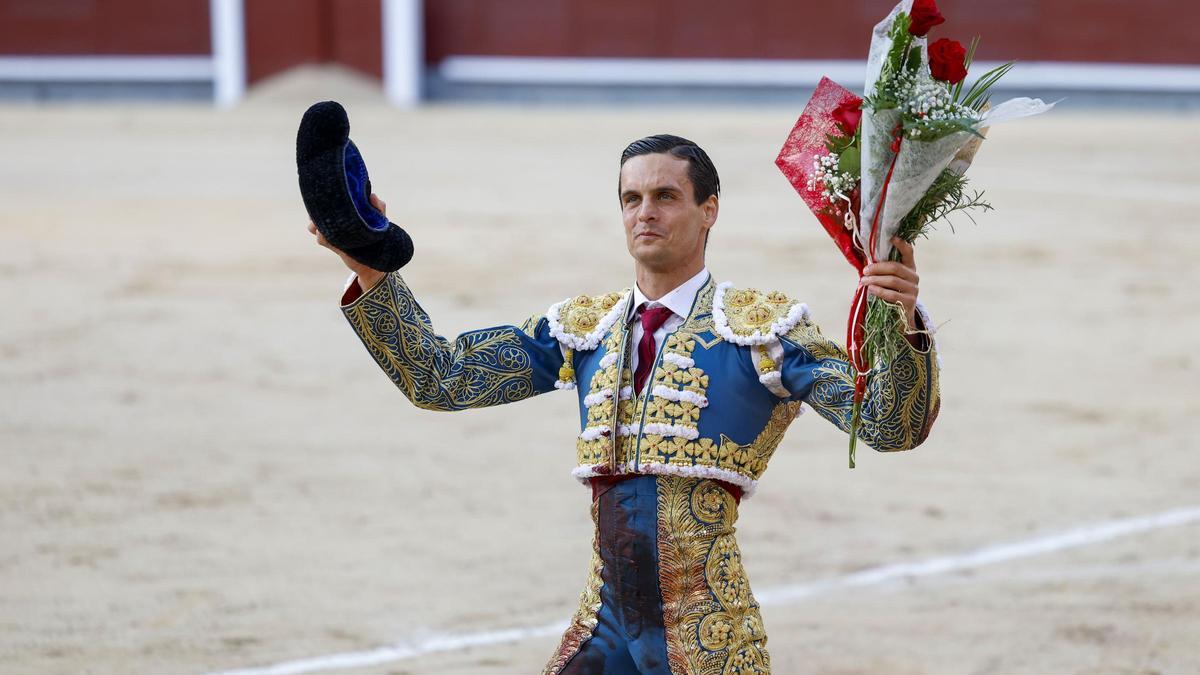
point(893, 163)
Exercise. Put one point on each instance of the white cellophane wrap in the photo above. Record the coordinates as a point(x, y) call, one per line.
point(876, 150)
point(1014, 109)
point(919, 162)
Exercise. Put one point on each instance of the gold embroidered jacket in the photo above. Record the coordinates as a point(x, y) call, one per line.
point(723, 390)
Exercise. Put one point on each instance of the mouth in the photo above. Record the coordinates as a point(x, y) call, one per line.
point(647, 234)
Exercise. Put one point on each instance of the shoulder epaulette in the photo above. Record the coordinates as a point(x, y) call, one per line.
point(747, 316)
point(581, 322)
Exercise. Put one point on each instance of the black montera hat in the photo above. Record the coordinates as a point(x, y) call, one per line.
point(336, 191)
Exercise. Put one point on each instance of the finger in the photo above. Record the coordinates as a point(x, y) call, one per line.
point(892, 283)
point(907, 253)
point(892, 269)
point(892, 296)
point(378, 203)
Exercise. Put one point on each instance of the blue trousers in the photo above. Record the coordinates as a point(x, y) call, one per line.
point(629, 638)
point(667, 593)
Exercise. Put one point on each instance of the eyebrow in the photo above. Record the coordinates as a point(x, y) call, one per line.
point(660, 188)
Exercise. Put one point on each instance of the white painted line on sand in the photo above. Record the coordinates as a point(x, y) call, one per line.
point(602, 71)
point(400, 652)
point(990, 555)
point(782, 595)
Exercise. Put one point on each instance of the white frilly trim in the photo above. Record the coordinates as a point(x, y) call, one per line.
point(678, 359)
point(583, 472)
point(605, 394)
point(608, 359)
point(748, 485)
point(798, 312)
point(928, 321)
point(663, 391)
point(597, 398)
point(592, 339)
point(660, 429)
point(559, 384)
point(592, 433)
point(655, 428)
point(773, 381)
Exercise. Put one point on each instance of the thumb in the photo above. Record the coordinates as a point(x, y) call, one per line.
point(378, 203)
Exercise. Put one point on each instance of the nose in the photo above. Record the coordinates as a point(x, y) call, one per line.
point(646, 212)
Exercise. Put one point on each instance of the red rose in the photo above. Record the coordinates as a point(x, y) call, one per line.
point(924, 15)
point(848, 114)
point(947, 61)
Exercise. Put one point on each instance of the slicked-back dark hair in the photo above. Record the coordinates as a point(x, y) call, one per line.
point(701, 171)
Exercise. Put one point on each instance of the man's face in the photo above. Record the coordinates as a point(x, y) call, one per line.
point(664, 226)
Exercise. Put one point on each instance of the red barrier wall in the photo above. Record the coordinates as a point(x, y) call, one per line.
point(1148, 31)
point(279, 33)
point(109, 27)
point(285, 33)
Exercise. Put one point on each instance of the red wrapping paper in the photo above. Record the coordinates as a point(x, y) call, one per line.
point(806, 142)
point(795, 160)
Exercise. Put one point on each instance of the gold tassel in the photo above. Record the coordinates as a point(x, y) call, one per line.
point(567, 372)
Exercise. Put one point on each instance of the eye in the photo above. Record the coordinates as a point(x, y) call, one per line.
point(666, 195)
point(629, 199)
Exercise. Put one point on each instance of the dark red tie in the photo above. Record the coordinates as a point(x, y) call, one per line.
point(652, 319)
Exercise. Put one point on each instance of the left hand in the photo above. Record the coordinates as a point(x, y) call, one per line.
point(895, 281)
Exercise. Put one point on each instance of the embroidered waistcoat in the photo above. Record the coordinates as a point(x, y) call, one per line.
point(722, 391)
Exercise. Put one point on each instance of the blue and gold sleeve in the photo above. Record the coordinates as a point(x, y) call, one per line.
point(481, 368)
point(901, 402)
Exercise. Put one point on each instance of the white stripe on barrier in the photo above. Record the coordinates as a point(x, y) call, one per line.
point(106, 68)
point(602, 71)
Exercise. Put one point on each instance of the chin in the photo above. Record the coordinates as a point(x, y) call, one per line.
point(646, 250)
point(657, 263)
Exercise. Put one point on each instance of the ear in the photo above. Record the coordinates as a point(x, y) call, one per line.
point(710, 207)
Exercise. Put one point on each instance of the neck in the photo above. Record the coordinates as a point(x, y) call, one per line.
point(657, 283)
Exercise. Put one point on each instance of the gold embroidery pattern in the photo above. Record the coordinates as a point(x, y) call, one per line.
point(712, 621)
point(749, 310)
point(584, 622)
point(657, 449)
point(752, 458)
point(701, 320)
point(901, 406)
point(901, 402)
point(484, 367)
point(749, 460)
point(594, 451)
point(677, 450)
point(582, 314)
point(529, 326)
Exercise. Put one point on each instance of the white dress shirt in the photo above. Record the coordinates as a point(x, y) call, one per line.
point(679, 301)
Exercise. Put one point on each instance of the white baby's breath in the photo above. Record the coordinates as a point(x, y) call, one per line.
point(826, 178)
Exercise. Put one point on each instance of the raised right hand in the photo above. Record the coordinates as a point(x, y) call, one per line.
point(367, 276)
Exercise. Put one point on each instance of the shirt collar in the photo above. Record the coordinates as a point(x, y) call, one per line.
point(679, 300)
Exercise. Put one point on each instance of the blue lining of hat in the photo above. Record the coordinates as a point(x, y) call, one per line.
point(357, 183)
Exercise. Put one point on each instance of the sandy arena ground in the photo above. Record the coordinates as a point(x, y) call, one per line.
point(203, 470)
